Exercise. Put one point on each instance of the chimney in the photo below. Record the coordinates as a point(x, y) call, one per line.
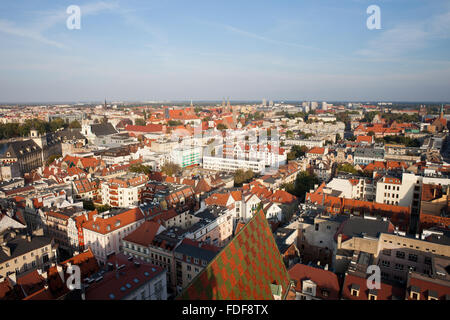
point(12, 278)
point(6, 249)
point(339, 241)
point(326, 267)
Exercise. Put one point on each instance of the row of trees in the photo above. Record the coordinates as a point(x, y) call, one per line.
point(408, 142)
point(15, 130)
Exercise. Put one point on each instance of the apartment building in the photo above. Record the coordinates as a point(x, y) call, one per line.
point(232, 164)
point(21, 252)
point(124, 191)
point(104, 232)
point(191, 257)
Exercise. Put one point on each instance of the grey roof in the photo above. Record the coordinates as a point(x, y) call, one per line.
point(358, 227)
point(15, 148)
point(103, 129)
point(20, 246)
point(71, 134)
point(196, 252)
point(369, 153)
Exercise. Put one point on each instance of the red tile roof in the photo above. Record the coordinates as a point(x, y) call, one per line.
point(386, 292)
point(144, 234)
point(322, 278)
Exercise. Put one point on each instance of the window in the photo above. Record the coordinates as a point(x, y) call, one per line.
point(400, 254)
point(355, 292)
point(385, 263)
point(387, 252)
point(412, 257)
point(188, 268)
point(399, 266)
point(317, 227)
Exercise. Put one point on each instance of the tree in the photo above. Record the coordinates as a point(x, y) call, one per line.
point(74, 124)
point(140, 122)
point(371, 133)
point(222, 126)
point(170, 169)
point(140, 168)
point(304, 182)
point(241, 177)
point(88, 205)
point(173, 123)
point(103, 208)
point(52, 158)
point(347, 167)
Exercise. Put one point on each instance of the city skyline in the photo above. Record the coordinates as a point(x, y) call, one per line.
point(138, 51)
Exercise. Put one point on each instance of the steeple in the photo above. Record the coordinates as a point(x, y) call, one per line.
point(442, 111)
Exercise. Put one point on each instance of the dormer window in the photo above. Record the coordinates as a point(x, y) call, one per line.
point(415, 293)
point(373, 293)
point(432, 295)
point(354, 290)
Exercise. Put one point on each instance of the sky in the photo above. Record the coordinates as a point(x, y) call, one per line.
point(209, 50)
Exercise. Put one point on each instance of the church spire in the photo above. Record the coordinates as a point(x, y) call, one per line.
point(442, 111)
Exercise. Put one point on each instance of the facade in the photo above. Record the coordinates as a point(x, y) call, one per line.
point(128, 280)
point(21, 252)
point(123, 191)
point(104, 232)
point(313, 283)
point(231, 164)
point(191, 257)
point(364, 156)
point(187, 156)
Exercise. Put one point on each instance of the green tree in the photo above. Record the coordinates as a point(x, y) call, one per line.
point(304, 182)
point(174, 123)
point(170, 169)
point(222, 126)
point(74, 124)
point(241, 177)
point(140, 168)
point(140, 122)
point(88, 205)
point(52, 158)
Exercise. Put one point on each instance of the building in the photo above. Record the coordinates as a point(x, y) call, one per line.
point(128, 280)
point(312, 283)
point(250, 267)
point(364, 156)
point(104, 232)
point(124, 191)
point(21, 252)
point(231, 164)
point(187, 156)
point(191, 257)
point(26, 153)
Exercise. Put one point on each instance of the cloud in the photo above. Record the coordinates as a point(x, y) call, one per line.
point(29, 33)
point(48, 19)
point(262, 38)
point(408, 37)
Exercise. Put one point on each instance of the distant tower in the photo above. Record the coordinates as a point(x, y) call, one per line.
point(223, 103)
point(192, 104)
point(105, 104)
point(228, 106)
point(442, 111)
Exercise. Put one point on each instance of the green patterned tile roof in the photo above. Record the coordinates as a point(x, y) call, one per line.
point(244, 269)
